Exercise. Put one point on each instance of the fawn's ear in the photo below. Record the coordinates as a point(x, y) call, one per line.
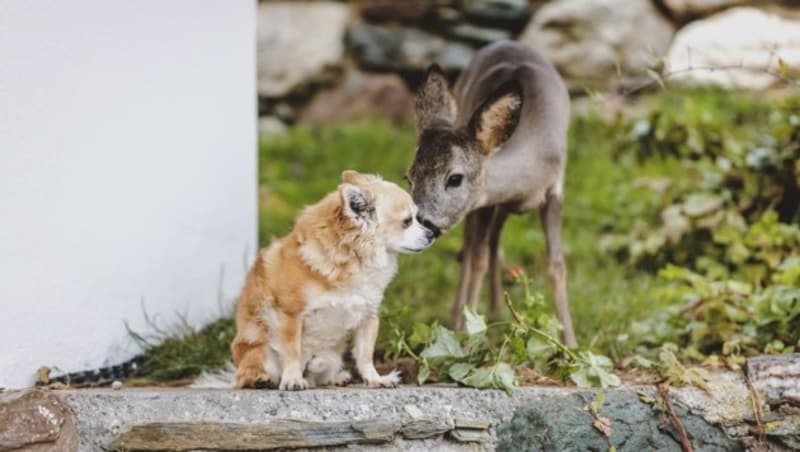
point(495, 120)
point(434, 106)
point(357, 203)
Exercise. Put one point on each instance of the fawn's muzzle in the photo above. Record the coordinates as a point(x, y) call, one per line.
point(432, 230)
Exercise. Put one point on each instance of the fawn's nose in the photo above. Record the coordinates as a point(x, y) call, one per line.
point(432, 228)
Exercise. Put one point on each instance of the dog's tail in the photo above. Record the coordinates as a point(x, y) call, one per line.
point(216, 379)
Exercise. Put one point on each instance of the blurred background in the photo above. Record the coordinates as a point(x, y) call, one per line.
point(681, 211)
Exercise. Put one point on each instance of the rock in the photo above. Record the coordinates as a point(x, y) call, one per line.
point(412, 11)
point(567, 425)
point(477, 35)
point(36, 421)
point(284, 112)
point(269, 126)
point(600, 43)
point(299, 43)
point(362, 96)
point(685, 10)
point(717, 51)
point(510, 13)
point(776, 378)
point(404, 49)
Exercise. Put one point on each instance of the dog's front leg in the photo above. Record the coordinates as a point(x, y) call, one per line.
point(363, 348)
point(288, 346)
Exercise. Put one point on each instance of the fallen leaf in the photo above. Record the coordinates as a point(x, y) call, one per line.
point(603, 425)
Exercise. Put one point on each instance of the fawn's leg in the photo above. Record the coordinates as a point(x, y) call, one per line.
point(495, 282)
point(556, 269)
point(457, 311)
point(480, 252)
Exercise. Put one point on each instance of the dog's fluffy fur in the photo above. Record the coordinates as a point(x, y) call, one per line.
point(312, 293)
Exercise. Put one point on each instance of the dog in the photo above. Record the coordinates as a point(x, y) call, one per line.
point(311, 294)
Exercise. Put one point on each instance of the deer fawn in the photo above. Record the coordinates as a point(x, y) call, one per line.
point(496, 145)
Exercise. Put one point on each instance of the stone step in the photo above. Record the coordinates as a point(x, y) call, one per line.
point(638, 417)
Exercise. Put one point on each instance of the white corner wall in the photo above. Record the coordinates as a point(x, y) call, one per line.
point(127, 172)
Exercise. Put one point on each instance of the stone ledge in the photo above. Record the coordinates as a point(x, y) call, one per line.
point(441, 418)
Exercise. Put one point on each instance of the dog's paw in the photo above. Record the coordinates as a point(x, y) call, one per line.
point(342, 378)
point(253, 378)
point(293, 384)
point(390, 380)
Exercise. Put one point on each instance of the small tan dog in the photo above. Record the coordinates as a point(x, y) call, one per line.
point(313, 292)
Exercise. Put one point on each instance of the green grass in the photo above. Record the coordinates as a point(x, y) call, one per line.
point(602, 194)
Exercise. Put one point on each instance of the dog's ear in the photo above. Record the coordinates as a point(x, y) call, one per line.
point(496, 119)
point(434, 106)
point(357, 203)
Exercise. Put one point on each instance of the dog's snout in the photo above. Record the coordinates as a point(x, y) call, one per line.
point(432, 230)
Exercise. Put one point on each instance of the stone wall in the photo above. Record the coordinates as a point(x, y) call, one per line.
point(325, 61)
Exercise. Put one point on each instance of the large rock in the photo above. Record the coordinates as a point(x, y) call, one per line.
point(512, 13)
point(600, 43)
point(392, 10)
point(738, 48)
point(404, 49)
point(362, 96)
point(299, 43)
point(685, 10)
point(36, 421)
point(476, 34)
point(634, 425)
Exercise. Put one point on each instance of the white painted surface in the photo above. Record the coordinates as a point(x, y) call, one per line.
point(127, 172)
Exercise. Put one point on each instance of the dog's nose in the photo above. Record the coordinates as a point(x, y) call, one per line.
point(433, 230)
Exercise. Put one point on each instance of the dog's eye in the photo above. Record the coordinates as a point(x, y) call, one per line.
point(454, 180)
point(407, 222)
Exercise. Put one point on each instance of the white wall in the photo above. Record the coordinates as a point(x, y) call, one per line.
point(127, 172)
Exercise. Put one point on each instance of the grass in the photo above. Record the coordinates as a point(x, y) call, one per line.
point(602, 194)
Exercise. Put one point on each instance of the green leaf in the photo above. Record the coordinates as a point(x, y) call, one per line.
point(581, 378)
point(594, 370)
point(699, 204)
point(597, 403)
point(539, 348)
point(424, 372)
point(445, 345)
point(459, 371)
point(518, 349)
point(504, 377)
point(500, 376)
point(475, 323)
point(482, 377)
point(420, 335)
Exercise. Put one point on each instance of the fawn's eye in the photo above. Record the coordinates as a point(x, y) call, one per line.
point(454, 180)
point(407, 222)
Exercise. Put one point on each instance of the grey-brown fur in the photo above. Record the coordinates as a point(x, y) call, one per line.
point(526, 172)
